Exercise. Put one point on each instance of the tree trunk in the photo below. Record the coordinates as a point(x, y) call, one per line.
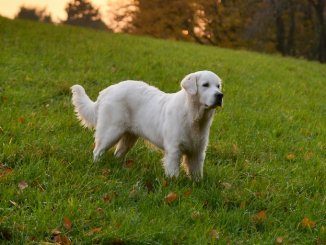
point(279, 24)
point(291, 49)
point(319, 6)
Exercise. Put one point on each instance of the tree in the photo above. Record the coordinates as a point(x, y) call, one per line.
point(319, 7)
point(82, 13)
point(172, 19)
point(33, 14)
point(290, 27)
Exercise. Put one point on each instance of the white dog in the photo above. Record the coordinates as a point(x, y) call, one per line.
point(178, 123)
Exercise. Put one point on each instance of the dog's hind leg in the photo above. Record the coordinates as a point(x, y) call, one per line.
point(105, 139)
point(125, 143)
point(194, 165)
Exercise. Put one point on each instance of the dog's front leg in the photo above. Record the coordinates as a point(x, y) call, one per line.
point(194, 165)
point(171, 162)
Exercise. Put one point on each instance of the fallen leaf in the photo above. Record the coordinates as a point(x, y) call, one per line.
point(165, 183)
point(187, 193)
point(128, 164)
point(214, 234)
point(107, 198)
point(171, 197)
point(235, 149)
point(133, 193)
point(21, 120)
point(62, 239)
point(195, 215)
point(96, 229)
point(308, 155)
point(13, 203)
point(307, 223)
point(226, 185)
point(22, 185)
point(93, 231)
point(4, 98)
point(105, 172)
point(67, 223)
point(4, 171)
point(290, 156)
point(205, 204)
point(260, 216)
point(279, 240)
point(149, 185)
point(243, 204)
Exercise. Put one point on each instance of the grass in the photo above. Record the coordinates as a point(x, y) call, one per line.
point(265, 165)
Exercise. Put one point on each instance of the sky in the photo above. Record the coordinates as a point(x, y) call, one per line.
point(9, 8)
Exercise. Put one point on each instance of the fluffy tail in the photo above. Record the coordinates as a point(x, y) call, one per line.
point(85, 108)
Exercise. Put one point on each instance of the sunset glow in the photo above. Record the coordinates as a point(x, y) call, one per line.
point(9, 8)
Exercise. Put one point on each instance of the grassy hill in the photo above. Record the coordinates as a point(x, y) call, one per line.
point(264, 175)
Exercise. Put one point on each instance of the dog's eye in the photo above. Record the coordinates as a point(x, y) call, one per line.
point(206, 85)
point(218, 86)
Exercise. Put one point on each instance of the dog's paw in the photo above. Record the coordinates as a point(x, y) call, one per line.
point(172, 172)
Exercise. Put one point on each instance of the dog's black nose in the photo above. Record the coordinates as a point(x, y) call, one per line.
point(219, 96)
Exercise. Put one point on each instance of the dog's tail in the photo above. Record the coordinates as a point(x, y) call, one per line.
point(85, 108)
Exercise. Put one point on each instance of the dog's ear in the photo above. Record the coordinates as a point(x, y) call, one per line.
point(189, 83)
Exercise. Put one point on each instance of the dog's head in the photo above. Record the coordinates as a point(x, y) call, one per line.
point(206, 87)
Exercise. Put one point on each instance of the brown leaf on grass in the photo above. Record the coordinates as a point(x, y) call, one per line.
point(307, 223)
point(171, 197)
point(133, 193)
point(290, 156)
point(93, 231)
point(187, 193)
point(62, 239)
point(22, 185)
point(67, 223)
point(243, 204)
point(96, 229)
point(149, 186)
point(308, 155)
point(107, 198)
point(279, 240)
point(105, 172)
point(21, 120)
point(165, 183)
point(4, 171)
point(226, 185)
point(214, 234)
point(235, 149)
point(260, 217)
point(196, 215)
point(205, 204)
point(128, 164)
point(4, 98)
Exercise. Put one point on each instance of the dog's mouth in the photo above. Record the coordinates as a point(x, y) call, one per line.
point(215, 105)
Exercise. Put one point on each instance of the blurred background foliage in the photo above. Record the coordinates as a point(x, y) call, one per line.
point(289, 27)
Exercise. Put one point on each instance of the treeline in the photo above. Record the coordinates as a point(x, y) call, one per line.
point(290, 27)
point(79, 13)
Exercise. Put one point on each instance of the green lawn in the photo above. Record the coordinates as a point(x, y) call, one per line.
point(264, 175)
